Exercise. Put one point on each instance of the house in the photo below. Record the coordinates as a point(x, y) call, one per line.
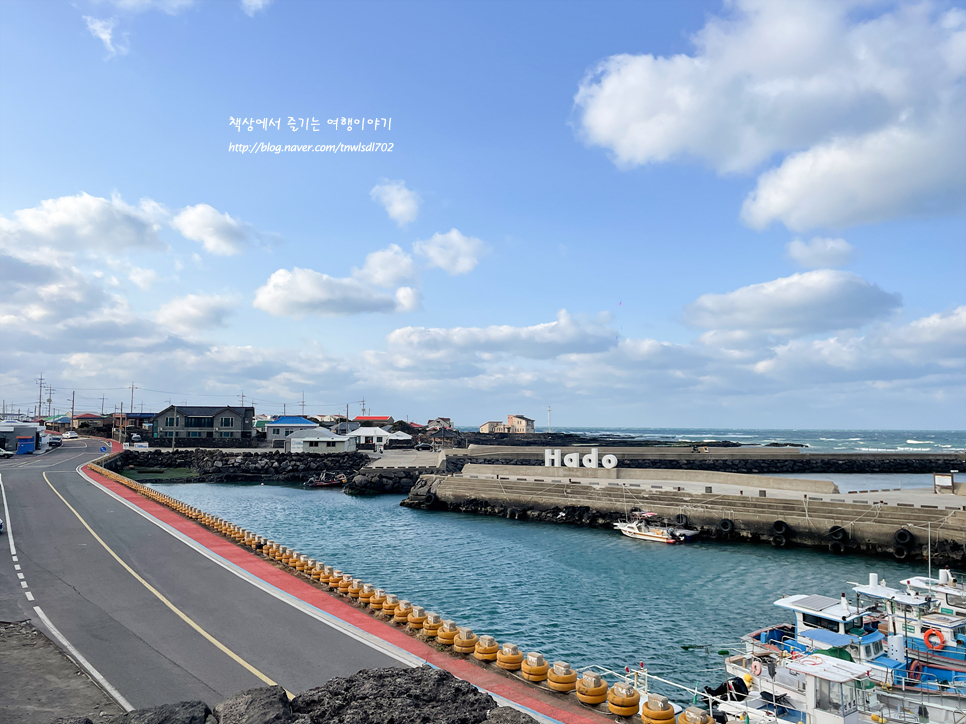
point(514, 423)
point(320, 441)
point(370, 436)
point(89, 419)
point(519, 423)
point(281, 427)
point(195, 421)
point(329, 420)
point(343, 428)
point(377, 420)
point(57, 423)
point(442, 423)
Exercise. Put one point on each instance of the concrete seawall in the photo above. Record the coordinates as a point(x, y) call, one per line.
point(868, 522)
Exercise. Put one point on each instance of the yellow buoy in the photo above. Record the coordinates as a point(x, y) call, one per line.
point(378, 599)
point(534, 667)
point(390, 604)
point(509, 657)
point(355, 588)
point(345, 583)
point(694, 715)
point(432, 624)
point(417, 617)
point(365, 595)
point(561, 677)
point(591, 689)
point(623, 699)
point(465, 641)
point(446, 634)
point(486, 649)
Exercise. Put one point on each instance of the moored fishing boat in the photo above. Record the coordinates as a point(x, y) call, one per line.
point(325, 480)
point(648, 526)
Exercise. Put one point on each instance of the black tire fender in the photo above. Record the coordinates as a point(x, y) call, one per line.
point(726, 525)
point(903, 536)
point(838, 533)
point(779, 527)
point(837, 547)
point(779, 541)
point(900, 552)
point(682, 519)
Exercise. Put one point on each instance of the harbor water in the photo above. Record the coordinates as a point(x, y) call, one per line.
point(586, 596)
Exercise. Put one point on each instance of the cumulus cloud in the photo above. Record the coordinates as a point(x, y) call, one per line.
point(196, 312)
point(298, 293)
point(218, 233)
point(820, 253)
point(253, 6)
point(387, 267)
point(868, 108)
point(400, 203)
point(817, 301)
point(103, 30)
point(80, 222)
point(565, 335)
point(452, 252)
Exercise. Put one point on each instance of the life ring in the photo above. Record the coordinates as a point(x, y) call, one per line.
point(938, 634)
point(903, 536)
point(779, 527)
point(756, 668)
point(726, 525)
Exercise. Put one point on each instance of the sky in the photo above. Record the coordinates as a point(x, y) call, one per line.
point(744, 214)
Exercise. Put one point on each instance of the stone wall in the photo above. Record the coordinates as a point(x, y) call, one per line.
point(216, 466)
point(375, 481)
point(207, 442)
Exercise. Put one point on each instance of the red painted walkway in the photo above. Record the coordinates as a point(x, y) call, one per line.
point(545, 703)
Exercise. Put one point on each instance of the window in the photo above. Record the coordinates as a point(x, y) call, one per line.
point(168, 433)
point(330, 444)
point(228, 422)
point(818, 622)
point(953, 600)
point(226, 434)
point(288, 432)
point(275, 431)
point(169, 422)
point(313, 443)
point(193, 433)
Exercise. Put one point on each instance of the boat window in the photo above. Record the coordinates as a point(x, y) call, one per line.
point(818, 622)
point(953, 600)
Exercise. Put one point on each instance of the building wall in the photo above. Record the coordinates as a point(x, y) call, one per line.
point(227, 423)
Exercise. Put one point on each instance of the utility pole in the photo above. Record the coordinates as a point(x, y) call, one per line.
point(103, 397)
point(40, 395)
point(72, 407)
point(549, 429)
point(243, 398)
point(363, 406)
point(303, 403)
point(174, 432)
point(284, 409)
point(131, 408)
point(50, 398)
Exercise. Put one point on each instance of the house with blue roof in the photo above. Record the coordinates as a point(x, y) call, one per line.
point(281, 427)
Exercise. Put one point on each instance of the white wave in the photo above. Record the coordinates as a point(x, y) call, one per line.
point(919, 442)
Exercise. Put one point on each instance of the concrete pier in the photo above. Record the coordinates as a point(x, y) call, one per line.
point(743, 508)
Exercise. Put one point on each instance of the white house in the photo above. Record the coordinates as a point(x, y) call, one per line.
point(280, 428)
point(370, 436)
point(319, 440)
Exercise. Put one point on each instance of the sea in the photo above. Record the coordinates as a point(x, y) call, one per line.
point(585, 596)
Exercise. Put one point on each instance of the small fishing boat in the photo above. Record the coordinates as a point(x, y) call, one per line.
point(649, 526)
point(325, 480)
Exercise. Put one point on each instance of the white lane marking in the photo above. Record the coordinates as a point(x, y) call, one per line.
point(20, 576)
point(15, 558)
point(16, 567)
point(29, 595)
point(6, 519)
point(23, 584)
point(84, 663)
point(364, 637)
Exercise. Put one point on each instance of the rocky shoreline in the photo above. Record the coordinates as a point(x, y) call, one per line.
point(371, 696)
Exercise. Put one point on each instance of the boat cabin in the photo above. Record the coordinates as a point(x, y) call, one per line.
point(833, 688)
point(950, 593)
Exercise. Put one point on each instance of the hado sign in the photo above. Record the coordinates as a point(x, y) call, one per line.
point(551, 459)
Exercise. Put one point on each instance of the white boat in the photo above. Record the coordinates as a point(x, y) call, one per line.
point(950, 593)
point(648, 526)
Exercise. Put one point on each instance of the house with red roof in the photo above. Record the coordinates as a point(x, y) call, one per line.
point(377, 420)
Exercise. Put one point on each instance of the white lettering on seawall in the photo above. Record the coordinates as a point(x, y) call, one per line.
point(551, 459)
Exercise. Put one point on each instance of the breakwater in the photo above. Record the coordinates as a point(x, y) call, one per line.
point(217, 466)
point(838, 524)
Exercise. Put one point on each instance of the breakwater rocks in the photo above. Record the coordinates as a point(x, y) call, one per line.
point(376, 482)
point(815, 463)
point(207, 442)
point(371, 696)
point(216, 466)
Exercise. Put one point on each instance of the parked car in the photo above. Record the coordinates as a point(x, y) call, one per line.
point(70, 435)
point(55, 441)
point(424, 446)
point(135, 438)
point(5, 453)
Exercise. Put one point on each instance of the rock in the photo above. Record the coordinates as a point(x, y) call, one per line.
point(265, 705)
point(422, 695)
point(509, 715)
point(184, 712)
point(72, 720)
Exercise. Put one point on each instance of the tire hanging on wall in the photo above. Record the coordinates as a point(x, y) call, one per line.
point(838, 533)
point(837, 547)
point(903, 536)
point(779, 527)
point(900, 552)
point(682, 520)
point(779, 541)
point(726, 525)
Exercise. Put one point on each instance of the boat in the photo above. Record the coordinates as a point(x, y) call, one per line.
point(950, 593)
point(325, 480)
point(649, 526)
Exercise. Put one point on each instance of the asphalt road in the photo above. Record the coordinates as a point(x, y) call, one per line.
point(140, 646)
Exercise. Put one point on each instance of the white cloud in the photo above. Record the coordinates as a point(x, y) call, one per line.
point(253, 6)
point(869, 108)
point(820, 253)
point(817, 301)
point(172, 7)
point(218, 233)
point(400, 203)
point(453, 252)
point(302, 292)
point(408, 299)
point(565, 335)
point(196, 312)
point(103, 30)
point(85, 222)
point(387, 267)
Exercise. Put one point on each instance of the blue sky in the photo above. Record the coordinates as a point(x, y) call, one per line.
point(661, 214)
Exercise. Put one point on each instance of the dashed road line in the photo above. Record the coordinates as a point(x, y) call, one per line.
point(6, 519)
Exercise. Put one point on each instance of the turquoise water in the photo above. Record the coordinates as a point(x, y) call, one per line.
point(582, 595)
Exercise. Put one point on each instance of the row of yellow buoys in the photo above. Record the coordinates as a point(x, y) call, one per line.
point(590, 689)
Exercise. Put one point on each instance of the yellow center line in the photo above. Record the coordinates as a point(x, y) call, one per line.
point(181, 614)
